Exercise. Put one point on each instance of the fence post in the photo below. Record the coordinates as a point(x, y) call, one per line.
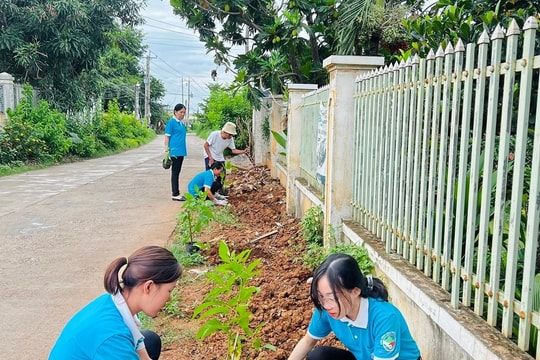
point(275, 125)
point(6, 96)
point(261, 143)
point(343, 71)
point(294, 131)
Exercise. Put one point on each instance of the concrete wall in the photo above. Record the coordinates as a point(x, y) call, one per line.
point(7, 96)
point(442, 332)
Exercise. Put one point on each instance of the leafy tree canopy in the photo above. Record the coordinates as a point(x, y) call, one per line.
point(287, 41)
point(227, 105)
point(283, 41)
point(55, 45)
point(449, 20)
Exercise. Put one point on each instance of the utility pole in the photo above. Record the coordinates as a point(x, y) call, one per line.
point(147, 114)
point(137, 110)
point(182, 95)
point(188, 100)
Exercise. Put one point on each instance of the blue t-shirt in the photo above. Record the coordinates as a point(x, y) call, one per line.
point(96, 332)
point(379, 331)
point(176, 130)
point(205, 178)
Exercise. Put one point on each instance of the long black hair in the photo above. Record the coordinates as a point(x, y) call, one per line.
point(343, 273)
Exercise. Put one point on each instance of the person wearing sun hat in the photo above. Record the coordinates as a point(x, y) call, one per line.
point(214, 146)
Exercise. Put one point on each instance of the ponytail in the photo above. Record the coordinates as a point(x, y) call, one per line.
point(153, 263)
point(113, 281)
point(373, 288)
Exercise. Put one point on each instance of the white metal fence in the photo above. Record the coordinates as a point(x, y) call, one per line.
point(447, 172)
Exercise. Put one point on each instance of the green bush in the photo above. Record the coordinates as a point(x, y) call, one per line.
point(7, 153)
point(36, 133)
point(312, 226)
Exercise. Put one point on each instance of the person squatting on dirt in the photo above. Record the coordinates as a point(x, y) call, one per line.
point(203, 182)
point(356, 309)
point(214, 146)
point(175, 146)
point(108, 326)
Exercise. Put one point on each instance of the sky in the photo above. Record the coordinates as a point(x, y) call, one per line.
point(177, 57)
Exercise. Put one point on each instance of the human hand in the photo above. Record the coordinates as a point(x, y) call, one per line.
point(220, 202)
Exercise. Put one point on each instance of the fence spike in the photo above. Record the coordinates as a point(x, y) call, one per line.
point(498, 33)
point(440, 52)
point(484, 38)
point(430, 55)
point(531, 23)
point(460, 46)
point(408, 63)
point(449, 49)
point(513, 29)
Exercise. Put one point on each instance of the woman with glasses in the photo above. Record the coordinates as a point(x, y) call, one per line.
point(356, 309)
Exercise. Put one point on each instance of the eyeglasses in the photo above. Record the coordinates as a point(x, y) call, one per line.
point(327, 301)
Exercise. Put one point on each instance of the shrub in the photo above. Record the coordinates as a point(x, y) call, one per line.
point(36, 133)
point(225, 307)
point(312, 226)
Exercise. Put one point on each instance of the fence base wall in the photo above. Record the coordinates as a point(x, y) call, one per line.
point(442, 332)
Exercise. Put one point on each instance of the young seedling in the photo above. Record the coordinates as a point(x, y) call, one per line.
point(197, 213)
point(226, 306)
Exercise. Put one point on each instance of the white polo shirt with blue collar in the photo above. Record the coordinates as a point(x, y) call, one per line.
point(379, 331)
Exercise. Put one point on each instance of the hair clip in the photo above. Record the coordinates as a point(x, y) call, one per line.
point(369, 279)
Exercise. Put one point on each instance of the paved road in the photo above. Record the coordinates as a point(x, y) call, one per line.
point(60, 227)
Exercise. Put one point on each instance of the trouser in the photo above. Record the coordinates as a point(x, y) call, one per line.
point(175, 174)
point(331, 353)
point(218, 182)
point(152, 343)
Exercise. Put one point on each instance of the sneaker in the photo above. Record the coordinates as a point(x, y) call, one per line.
point(179, 198)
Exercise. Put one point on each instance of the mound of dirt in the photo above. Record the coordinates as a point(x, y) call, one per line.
point(282, 304)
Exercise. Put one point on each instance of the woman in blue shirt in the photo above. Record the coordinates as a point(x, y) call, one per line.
point(175, 146)
point(356, 309)
point(108, 328)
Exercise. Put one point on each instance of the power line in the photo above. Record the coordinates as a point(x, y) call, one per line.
point(169, 30)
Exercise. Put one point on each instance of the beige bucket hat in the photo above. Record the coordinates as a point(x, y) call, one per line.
point(229, 128)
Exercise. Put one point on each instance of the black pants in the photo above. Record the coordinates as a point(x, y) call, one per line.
point(331, 353)
point(152, 343)
point(175, 174)
point(218, 182)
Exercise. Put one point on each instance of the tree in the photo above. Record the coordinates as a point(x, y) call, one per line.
point(55, 45)
point(372, 27)
point(449, 20)
point(227, 105)
point(119, 67)
point(284, 43)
